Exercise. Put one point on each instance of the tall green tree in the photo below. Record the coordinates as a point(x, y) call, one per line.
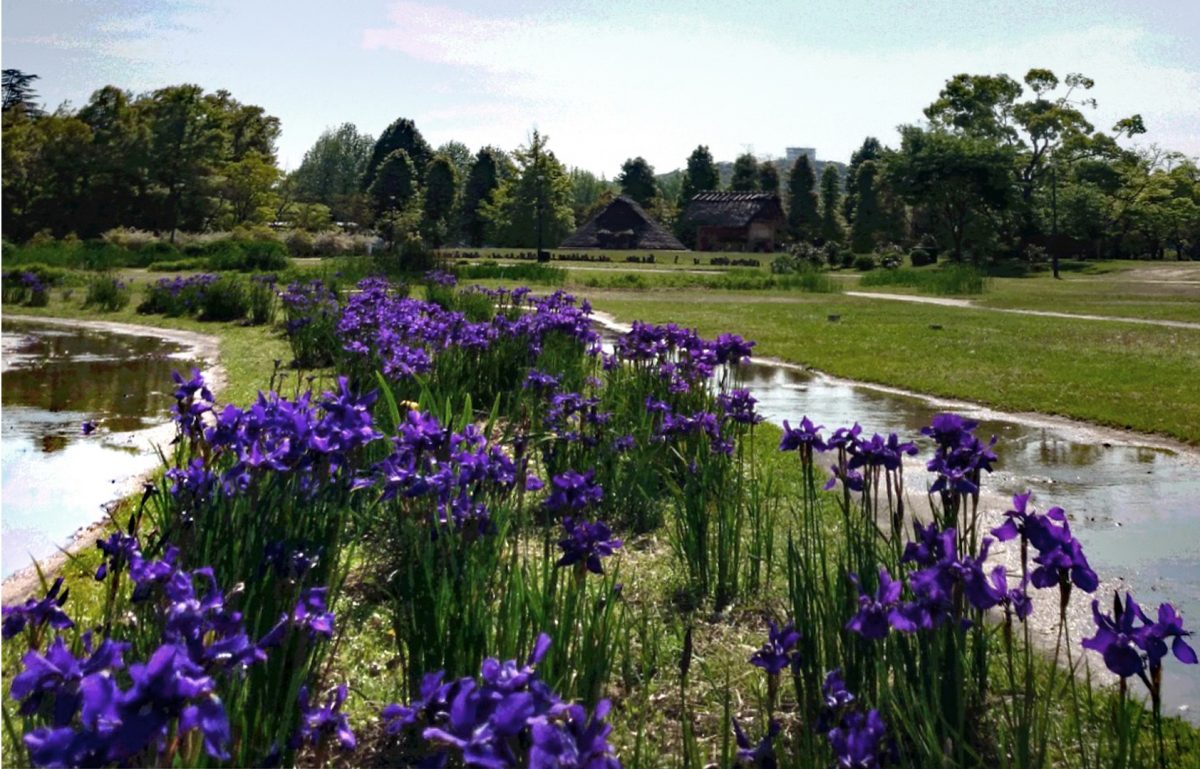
point(537, 196)
point(637, 181)
point(833, 229)
point(400, 135)
point(117, 168)
point(441, 192)
point(964, 182)
point(803, 215)
point(701, 175)
point(482, 181)
point(587, 191)
point(768, 177)
point(395, 183)
point(459, 155)
point(332, 170)
point(246, 191)
point(18, 92)
point(869, 220)
point(745, 174)
point(871, 149)
point(188, 146)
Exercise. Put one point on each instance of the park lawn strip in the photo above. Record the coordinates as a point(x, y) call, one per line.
point(1121, 375)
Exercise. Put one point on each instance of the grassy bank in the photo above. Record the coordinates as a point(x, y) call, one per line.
point(1136, 377)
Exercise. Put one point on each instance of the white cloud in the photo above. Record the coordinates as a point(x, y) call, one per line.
point(657, 86)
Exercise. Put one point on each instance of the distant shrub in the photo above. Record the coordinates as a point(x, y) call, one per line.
point(130, 238)
point(25, 287)
point(891, 257)
point(262, 300)
point(845, 257)
point(532, 273)
point(920, 257)
point(864, 262)
point(175, 297)
point(332, 244)
point(107, 293)
point(246, 255)
point(179, 265)
point(225, 299)
point(299, 243)
point(949, 280)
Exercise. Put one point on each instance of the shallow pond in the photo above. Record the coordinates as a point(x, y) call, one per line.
point(55, 479)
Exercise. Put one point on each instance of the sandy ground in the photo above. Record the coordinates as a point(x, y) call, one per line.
point(199, 347)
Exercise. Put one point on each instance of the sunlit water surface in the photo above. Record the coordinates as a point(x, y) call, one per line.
point(55, 479)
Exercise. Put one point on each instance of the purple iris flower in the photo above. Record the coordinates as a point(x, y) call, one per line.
point(35, 613)
point(757, 756)
point(573, 491)
point(88, 427)
point(732, 349)
point(119, 549)
point(586, 543)
point(738, 406)
point(319, 723)
point(1118, 639)
point(1168, 626)
point(807, 434)
point(312, 614)
point(879, 613)
point(860, 742)
point(779, 651)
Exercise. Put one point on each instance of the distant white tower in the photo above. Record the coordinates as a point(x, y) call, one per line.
point(795, 152)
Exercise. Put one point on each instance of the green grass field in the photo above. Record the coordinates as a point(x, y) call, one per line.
point(1123, 375)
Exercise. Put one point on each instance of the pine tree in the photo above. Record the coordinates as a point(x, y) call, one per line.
point(768, 177)
point(832, 228)
point(481, 183)
point(441, 189)
point(701, 175)
point(868, 214)
point(745, 174)
point(395, 183)
point(637, 181)
point(804, 218)
point(400, 135)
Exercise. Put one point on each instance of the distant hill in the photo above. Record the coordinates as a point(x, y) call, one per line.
point(671, 181)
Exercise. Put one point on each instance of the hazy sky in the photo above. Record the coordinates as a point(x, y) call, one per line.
point(612, 79)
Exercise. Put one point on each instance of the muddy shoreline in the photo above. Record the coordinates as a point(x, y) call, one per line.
point(202, 348)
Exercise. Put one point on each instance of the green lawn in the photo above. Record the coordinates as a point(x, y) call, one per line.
point(1123, 375)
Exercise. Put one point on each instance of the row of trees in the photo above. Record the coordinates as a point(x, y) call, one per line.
point(175, 158)
point(999, 167)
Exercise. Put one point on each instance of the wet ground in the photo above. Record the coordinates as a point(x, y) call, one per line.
point(55, 479)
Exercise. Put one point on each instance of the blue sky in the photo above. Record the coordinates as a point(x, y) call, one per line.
point(613, 79)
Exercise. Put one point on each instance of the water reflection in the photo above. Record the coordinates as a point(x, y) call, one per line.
point(55, 479)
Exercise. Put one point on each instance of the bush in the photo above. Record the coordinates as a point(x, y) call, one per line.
point(920, 257)
point(246, 255)
point(299, 243)
point(225, 299)
point(175, 297)
point(107, 293)
point(531, 273)
point(262, 300)
point(949, 280)
point(332, 244)
point(131, 238)
point(180, 265)
point(25, 287)
point(864, 262)
point(845, 257)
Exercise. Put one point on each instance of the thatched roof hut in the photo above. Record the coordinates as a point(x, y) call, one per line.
point(623, 224)
point(734, 220)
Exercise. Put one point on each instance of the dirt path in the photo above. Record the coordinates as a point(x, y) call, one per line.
point(967, 304)
point(202, 348)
